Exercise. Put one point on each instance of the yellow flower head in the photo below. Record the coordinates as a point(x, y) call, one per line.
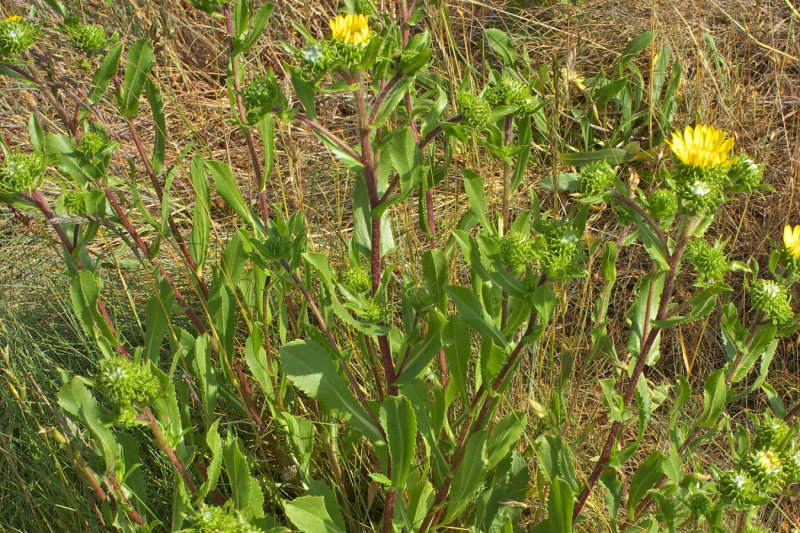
point(352, 29)
point(702, 146)
point(791, 239)
point(11, 18)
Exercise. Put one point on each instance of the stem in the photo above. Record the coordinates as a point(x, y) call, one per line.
point(114, 482)
point(313, 124)
point(647, 345)
point(237, 87)
point(155, 429)
point(170, 220)
point(62, 235)
point(71, 125)
point(642, 213)
point(353, 383)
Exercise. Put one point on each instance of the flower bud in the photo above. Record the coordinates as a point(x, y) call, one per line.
point(91, 144)
point(596, 177)
point(744, 175)
point(419, 297)
point(75, 202)
point(209, 6)
point(699, 190)
point(662, 203)
point(87, 37)
point(127, 383)
point(16, 36)
point(516, 249)
point(214, 519)
point(698, 503)
point(356, 279)
point(258, 96)
point(765, 469)
point(475, 110)
point(709, 261)
point(736, 488)
point(509, 90)
point(372, 312)
point(790, 459)
point(770, 433)
point(21, 172)
point(772, 299)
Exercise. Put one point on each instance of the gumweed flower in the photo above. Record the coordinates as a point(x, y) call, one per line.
point(596, 177)
point(516, 249)
point(16, 36)
point(75, 202)
point(701, 147)
point(87, 37)
point(352, 29)
point(708, 260)
point(736, 488)
point(772, 299)
point(662, 203)
point(791, 240)
point(356, 279)
point(765, 469)
point(21, 172)
point(475, 110)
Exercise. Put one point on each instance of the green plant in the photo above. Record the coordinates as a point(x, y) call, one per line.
point(395, 379)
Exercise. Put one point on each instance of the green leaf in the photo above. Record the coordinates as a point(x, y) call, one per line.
point(406, 159)
point(646, 476)
point(245, 489)
point(458, 353)
point(267, 128)
point(157, 314)
point(259, 23)
point(469, 475)
point(400, 424)
point(714, 392)
point(473, 313)
point(227, 187)
point(201, 219)
point(502, 45)
point(634, 47)
point(422, 351)
point(159, 125)
point(308, 365)
point(310, 515)
point(608, 91)
point(393, 98)
point(84, 293)
point(101, 78)
point(305, 92)
point(214, 443)
point(473, 185)
point(435, 275)
point(137, 72)
point(560, 503)
point(76, 400)
point(614, 156)
point(505, 436)
point(36, 133)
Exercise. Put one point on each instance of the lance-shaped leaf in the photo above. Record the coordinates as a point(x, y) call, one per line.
point(309, 515)
point(101, 78)
point(137, 71)
point(309, 367)
point(400, 424)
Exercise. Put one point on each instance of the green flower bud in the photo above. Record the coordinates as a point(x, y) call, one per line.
point(213, 519)
point(127, 383)
point(770, 433)
point(772, 299)
point(516, 249)
point(91, 143)
point(258, 96)
point(16, 36)
point(75, 202)
point(662, 203)
point(21, 172)
point(790, 459)
point(699, 189)
point(736, 488)
point(596, 177)
point(529, 104)
point(563, 247)
point(277, 246)
point(698, 503)
point(744, 175)
point(372, 312)
point(765, 469)
point(709, 261)
point(509, 90)
point(87, 37)
point(364, 7)
point(475, 110)
point(419, 297)
point(752, 528)
point(356, 279)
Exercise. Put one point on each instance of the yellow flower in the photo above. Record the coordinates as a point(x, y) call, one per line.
point(352, 29)
point(702, 147)
point(11, 18)
point(791, 239)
